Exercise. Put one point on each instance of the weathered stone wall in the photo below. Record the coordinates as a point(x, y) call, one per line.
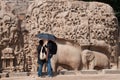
point(12, 31)
point(76, 20)
point(83, 22)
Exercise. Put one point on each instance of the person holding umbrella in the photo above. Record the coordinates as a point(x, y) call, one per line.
point(49, 47)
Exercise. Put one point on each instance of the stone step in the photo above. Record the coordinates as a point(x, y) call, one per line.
point(70, 77)
point(89, 72)
point(18, 74)
point(108, 71)
point(63, 72)
point(67, 72)
point(3, 75)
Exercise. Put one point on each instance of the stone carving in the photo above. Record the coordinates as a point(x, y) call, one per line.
point(82, 22)
point(68, 55)
point(7, 59)
point(94, 60)
point(13, 34)
point(75, 20)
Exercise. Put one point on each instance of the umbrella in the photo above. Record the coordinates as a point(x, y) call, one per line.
point(46, 36)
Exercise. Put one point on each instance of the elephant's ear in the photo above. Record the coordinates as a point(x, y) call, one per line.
point(90, 56)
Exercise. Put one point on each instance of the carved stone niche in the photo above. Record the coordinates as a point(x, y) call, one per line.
point(7, 59)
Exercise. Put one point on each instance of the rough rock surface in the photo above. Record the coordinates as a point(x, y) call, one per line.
point(80, 21)
point(12, 32)
point(83, 22)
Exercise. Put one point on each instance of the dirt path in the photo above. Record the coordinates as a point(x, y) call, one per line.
point(71, 77)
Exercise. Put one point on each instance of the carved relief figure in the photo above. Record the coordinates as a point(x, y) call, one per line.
point(67, 56)
point(94, 60)
point(7, 59)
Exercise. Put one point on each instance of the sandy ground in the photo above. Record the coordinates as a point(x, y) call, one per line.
point(70, 77)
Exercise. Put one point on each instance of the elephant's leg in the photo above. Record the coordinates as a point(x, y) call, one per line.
point(85, 61)
point(91, 65)
point(85, 66)
point(107, 66)
point(76, 71)
point(54, 66)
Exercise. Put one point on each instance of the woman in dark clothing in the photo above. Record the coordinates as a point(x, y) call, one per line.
point(39, 61)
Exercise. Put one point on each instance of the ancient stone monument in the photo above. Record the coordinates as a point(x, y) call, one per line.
point(86, 23)
point(7, 59)
point(12, 31)
point(75, 20)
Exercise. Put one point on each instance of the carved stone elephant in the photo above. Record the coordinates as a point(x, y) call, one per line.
point(94, 60)
point(99, 46)
point(68, 56)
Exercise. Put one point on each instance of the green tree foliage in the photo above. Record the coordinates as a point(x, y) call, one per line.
point(113, 3)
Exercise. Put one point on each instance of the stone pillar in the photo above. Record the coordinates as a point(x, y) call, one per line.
point(11, 63)
point(4, 64)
